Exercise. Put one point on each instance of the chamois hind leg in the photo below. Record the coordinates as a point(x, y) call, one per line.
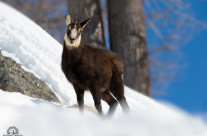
point(97, 98)
point(107, 97)
point(117, 89)
point(80, 95)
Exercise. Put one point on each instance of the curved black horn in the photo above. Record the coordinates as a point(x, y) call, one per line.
point(81, 15)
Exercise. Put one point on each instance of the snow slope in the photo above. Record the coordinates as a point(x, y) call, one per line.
point(34, 117)
point(25, 42)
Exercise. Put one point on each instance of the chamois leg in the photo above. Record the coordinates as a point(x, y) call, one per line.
point(80, 95)
point(107, 97)
point(117, 89)
point(97, 99)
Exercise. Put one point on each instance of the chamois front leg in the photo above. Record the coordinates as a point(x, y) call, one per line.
point(97, 99)
point(80, 95)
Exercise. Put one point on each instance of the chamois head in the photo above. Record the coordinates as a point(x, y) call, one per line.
point(73, 34)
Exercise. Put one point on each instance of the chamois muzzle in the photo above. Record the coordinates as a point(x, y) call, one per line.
point(72, 40)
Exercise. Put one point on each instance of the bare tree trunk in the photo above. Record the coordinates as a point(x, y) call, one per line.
point(128, 38)
point(93, 34)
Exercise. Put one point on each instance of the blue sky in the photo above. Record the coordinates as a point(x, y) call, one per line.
point(188, 90)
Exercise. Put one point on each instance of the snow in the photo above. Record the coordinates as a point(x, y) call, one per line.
point(26, 43)
point(36, 117)
point(37, 51)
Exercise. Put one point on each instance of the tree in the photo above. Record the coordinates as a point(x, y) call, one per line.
point(171, 23)
point(135, 54)
point(128, 38)
point(93, 34)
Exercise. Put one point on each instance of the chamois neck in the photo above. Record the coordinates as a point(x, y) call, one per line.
point(71, 55)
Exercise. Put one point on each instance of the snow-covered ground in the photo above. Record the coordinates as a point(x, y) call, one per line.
point(25, 42)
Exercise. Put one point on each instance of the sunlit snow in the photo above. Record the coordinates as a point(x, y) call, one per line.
point(29, 45)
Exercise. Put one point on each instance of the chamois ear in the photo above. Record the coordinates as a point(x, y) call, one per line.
point(83, 24)
point(68, 19)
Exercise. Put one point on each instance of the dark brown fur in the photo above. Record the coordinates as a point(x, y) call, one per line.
point(98, 70)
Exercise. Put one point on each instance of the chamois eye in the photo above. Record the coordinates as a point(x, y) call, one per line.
point(79, 30)
point(68, 32)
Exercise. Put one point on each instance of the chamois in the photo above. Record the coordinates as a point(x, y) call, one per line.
point(98, 70)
